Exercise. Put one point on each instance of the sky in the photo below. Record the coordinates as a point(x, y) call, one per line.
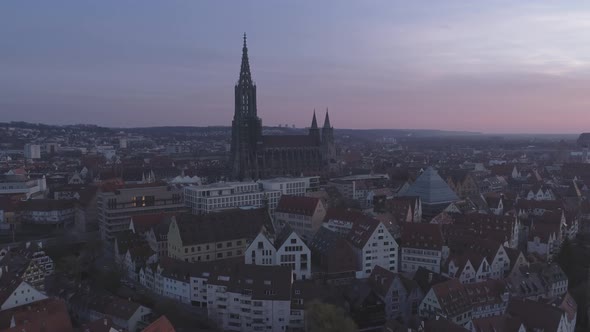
point(488, 66)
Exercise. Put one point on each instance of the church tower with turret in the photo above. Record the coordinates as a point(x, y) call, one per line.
point(246, 125)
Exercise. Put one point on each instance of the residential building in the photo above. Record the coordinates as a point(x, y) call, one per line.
point(123, 313)
point(421, 246)
point(302, 214)
point(118, 203)
point(288, 249)
point(47, 212)
point(373, 245)
point(250, 298)
point(215, 236)
point(401, 296)
point(448, 299)
point(48, 315)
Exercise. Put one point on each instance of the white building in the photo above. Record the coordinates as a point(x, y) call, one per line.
point(291, 185)
point(250, 298)
point(32, 151)
point(422, 246)
point(373, 245)
point(15, 292)
point(288, 250)
point(15, 184)
point(228, 195)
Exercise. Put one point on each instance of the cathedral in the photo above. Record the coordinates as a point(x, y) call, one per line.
point(254, 156)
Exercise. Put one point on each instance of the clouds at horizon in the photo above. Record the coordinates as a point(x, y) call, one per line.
point(457, 65)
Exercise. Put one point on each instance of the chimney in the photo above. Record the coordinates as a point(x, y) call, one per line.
point(430, 275)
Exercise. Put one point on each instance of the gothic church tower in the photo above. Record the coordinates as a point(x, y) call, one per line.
point(246, 125)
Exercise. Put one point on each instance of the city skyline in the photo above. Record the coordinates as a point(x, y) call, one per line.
point(493, 68)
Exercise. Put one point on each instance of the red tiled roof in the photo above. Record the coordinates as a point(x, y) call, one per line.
point(297, 205)
point(161, 324)
point(50, 315)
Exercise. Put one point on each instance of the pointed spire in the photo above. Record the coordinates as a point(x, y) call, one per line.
point(245, 76)
point(314, 122)
point(327, 120)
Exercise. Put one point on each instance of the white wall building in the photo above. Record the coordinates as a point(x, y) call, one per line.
point(252, 298)
point(288, 250)
point(228, 195)
point(32, 151)
point(373, 245)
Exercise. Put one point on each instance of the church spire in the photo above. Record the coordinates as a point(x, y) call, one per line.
point(245, 76)
point(327, 120)
point(314, 122)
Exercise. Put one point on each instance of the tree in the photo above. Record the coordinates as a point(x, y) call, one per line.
point(567, 258)
point(327, 318)
point(71, 266)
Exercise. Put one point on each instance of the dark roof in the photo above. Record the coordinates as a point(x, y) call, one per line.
point(280, 141)
point(503, 323)
point(426, 278)
point(535, 315)
point(442, 325)
point(264, 282)
point(222, 226)
point(46, 205)
point(422, 236)
point(347, 215)
point(143, 222)
point(106, 304)
point(297, 205)
point(49, 315)
point(361, 232)
point(323, 240)
point(452, 297)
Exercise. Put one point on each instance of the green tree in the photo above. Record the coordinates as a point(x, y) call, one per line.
point(322, 317)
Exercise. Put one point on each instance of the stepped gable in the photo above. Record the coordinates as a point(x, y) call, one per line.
point(431, 188)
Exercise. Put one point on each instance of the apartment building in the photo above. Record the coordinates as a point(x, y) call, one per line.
point(303, 214)
point(118, 203)
point(422, 246)
point(373, 245)
point(215, 236)
point(288, 249)
point(250, 298)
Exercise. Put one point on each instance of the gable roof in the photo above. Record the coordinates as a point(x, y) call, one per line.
point(536, 315)
point(361, 232)
point(297, 205)
point(161, 324)
point(222, 226)
point(49, 315)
